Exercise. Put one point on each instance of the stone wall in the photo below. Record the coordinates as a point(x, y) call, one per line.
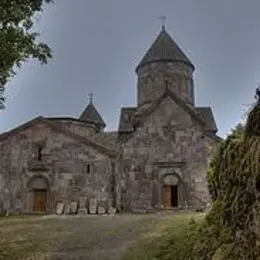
point(80, 128)
point(152, 77)
point(69, 168)
point(168, 142)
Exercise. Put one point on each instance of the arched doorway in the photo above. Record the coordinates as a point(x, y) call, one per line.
point(38, 194)
point(170, 192)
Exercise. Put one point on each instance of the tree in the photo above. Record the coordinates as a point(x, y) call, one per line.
point(18, 42)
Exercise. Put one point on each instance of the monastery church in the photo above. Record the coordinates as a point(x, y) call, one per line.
point(157, 159)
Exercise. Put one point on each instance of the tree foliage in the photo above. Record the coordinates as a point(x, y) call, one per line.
point(18, 42)
point(234, 178)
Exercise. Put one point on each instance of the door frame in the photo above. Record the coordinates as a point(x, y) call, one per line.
point(182, 190)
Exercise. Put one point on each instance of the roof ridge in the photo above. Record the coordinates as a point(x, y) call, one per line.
point(80, 138)
point(60, 128)
point(20, 127)
point(178, 100)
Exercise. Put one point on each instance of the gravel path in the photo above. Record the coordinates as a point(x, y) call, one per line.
point(103, 237)
point(74, 237)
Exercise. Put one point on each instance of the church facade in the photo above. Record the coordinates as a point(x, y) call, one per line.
point(157, 159)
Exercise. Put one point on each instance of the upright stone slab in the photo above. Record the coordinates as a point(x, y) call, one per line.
point(67, 209)
point(83, 202)
point(83, 211)
point(59, 208)
point(74, 207)
point(101, 210)
point(92, 206)
point(112, 211)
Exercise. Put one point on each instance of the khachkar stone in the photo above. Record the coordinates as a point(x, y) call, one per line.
point(83, 206)
point(83, 211)
point(67, 209)
point(83, 202)
point(92, 206)
point(60, 208)
point(74, 207)
point(101, 210)
point(112, 211)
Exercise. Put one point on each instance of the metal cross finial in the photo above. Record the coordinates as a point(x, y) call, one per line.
point(90, 97)
point(163, 19)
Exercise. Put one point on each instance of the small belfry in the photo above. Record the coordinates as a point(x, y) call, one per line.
point(91, 115)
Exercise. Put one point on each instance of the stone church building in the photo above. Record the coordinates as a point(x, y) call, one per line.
point(157, 159)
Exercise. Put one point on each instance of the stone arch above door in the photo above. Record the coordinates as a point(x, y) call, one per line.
point(170, 179)
point(38, 182)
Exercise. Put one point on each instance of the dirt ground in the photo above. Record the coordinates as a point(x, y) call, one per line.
point(73, 237)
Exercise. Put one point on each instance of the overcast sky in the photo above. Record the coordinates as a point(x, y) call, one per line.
point(97, 45)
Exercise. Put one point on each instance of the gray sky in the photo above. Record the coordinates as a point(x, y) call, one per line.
point(97, 45)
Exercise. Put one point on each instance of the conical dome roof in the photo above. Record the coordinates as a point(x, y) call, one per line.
point(91, 115)
point(165, 49)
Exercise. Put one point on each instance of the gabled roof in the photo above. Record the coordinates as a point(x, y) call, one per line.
point(126, 119)
point(168, 93)
point(205, 113)
point(202, 115)
point(90, 114)
point(165, 49)
point(62, 129)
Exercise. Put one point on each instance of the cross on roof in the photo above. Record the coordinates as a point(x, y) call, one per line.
point(90, 97)
point(163, 19)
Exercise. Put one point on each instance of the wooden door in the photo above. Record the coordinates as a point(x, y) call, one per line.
point(40, 201)
point(167, 196)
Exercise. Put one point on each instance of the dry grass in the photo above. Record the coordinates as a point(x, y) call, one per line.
point(90, 237)
point(29, 238)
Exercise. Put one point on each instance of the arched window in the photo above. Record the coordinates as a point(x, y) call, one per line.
point(39, 154)
point(88, 168)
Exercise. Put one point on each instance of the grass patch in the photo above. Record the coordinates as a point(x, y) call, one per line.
point(168, 239)
point(29, 239)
